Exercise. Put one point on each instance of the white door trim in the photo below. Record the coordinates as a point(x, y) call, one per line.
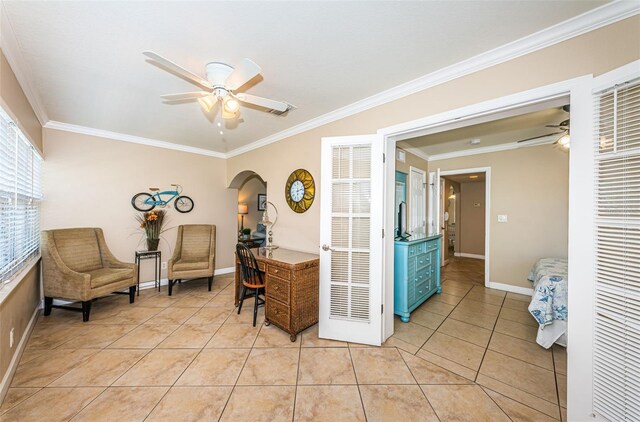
point(580, 396)
point(423, 173)
point(487, 215)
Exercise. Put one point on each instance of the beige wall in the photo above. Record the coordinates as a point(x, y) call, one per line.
point(18, 106)
point(531, 186)
point(89, 181)
point(20, 298)
point(248, 194)
point(587, 54)
point(411, 160)
point(472, 218)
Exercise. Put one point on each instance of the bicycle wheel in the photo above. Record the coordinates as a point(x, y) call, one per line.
point(184, 204)
point(139, 202)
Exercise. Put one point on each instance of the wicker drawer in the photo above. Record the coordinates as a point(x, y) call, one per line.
point(278, 288)
point(280, 272)
point(262, 266)
point(278, 313)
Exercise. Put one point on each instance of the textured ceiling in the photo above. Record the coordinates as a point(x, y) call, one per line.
point(84, 59)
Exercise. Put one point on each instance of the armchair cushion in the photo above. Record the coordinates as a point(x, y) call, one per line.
point(78, 249)
point(185, 264)
point(196, 242)
point(103, 276)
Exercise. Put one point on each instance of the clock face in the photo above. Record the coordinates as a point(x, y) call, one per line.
point(300, 190)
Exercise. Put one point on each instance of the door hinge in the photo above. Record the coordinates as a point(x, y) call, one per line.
point(382, 308)
point(384, 158)
point(383, 233)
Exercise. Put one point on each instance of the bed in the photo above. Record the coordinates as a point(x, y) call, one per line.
point(549, 301)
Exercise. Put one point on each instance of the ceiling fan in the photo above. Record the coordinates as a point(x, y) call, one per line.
point(564, 126)
point(222, 85)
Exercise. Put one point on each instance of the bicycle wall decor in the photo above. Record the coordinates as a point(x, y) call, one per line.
point(147, 201)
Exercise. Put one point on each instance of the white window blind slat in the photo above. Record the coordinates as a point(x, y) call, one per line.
point(616, 382)
point(20, 195)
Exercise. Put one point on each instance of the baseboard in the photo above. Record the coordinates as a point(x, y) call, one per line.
point(511, 288)
point(8, 376)
point(469, 255)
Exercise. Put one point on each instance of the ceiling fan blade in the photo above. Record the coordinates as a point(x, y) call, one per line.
point(242, 73)
point(263, 102)
point(184, 96)
point(179, 70)
point(541, 136)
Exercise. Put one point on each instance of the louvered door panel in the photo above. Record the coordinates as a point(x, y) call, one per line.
point(616, 386)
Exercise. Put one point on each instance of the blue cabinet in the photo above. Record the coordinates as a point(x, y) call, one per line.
point(416, 274)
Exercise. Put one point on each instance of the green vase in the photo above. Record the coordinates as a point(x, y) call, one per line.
point(152, 244)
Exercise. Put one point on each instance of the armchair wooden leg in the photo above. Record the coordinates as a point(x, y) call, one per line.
point(210, 282)
point(132, 294)
point(170, 286)
point(86, 310)
point(48, 302)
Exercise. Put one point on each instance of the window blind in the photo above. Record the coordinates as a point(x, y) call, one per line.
point(20, 196)
point(617, 315)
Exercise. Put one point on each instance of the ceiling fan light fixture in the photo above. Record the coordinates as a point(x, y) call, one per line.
point(231, 105)
point(564, 141)
point(207, 103)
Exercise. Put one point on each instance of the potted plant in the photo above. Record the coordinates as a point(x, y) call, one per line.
point(246, 233)
point(152, 222)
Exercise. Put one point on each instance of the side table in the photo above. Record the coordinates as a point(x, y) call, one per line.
point(157, 256)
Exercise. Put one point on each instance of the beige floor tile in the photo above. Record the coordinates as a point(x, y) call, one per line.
point(516, 296)
point(330, 403)
point(325, 366)
point(427, 373)
point(524, 376)
point(146, 336)
point(548, 408)
point(455, 290)
point(563, 414)
point(386, 403)
point(234, 336)
point(479, 307)
point(191, 301)
point(191, 404)
point(124, 315)
point(411, 333)
point(515, 329)
point(273, 336)
point(473, 318)
point(380, 366)
point(522, 349)
point(427, 319)
point(401, 345)
point(46, 368)
point(456, 350)
point(456, 368)
point(560, 359)
point(270, 367)
point(122, 404)
point(463, 402)
point(310, 339)
point(447, 298)
point(209, 316)
point(215, 367)
point(172, 316)
point(31, 354)
point(478, 288)
point(159, 367)
point(264, 403)
point(467, 332)
point(15, 396)
point(221, 301)
point(52, 404)
point(192, 336)
point(156, 301)
point(98, 338)
point(246, 316)
point(562, 389)
point(516, 304)
point(437, 307)
point(517, 412)
point(101, 369)
point(52, 336)
point(486, 297)
point(518, 316)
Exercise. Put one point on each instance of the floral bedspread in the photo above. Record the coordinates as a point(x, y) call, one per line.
point(549, 301)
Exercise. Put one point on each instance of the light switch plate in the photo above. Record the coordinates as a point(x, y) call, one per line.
point(502, 218)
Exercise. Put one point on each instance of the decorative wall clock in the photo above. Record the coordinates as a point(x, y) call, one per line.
point(300, 190)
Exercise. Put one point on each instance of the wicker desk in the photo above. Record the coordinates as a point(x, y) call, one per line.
point(292, 287)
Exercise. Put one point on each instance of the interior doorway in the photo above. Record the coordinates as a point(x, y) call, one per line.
point(252, 197)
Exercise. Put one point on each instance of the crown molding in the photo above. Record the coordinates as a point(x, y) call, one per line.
point(412, 150)
point(10, 48)
point(67, 127)
point(494, 148)
point(576, 26)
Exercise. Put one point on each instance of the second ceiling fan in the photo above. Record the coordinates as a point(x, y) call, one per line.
point(221, 85)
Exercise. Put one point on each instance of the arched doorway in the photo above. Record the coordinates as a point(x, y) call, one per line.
point(252, 193)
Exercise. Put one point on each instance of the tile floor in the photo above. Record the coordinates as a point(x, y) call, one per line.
point(467, 354)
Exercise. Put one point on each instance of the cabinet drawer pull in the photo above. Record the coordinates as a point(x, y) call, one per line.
point(276, 288)
point(276, 271)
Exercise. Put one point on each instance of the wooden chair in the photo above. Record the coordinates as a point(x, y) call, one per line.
point(251, 278)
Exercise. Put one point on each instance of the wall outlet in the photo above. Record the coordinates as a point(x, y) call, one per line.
point(11, 339)
point(164, 265)
point(502, 218)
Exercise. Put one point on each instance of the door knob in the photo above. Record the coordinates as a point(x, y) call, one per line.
point(327, 248)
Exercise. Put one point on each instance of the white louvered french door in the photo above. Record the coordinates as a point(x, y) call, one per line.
point(616, 356)
point(351, 221)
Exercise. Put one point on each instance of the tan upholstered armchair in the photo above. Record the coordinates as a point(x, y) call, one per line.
point(77, 265)
point(195, 254)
